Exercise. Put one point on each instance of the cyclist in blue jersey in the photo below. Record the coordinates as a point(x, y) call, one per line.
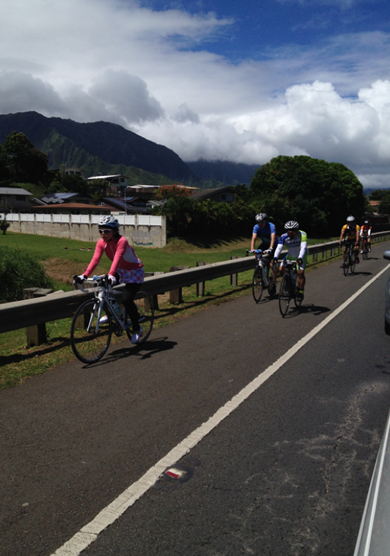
point(266, 232)
point(296, 242)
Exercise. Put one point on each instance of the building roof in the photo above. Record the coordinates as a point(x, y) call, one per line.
point(109, 177)
point(62, 206)
point(52, 198)
point(204, 193)
point(13, 191)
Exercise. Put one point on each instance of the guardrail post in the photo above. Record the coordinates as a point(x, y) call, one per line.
point(176, 296)
point(234, 277)
point(154, 296)
point(36, 334)
point(200, 286)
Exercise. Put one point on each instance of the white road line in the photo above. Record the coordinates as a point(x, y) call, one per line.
point(90, 532)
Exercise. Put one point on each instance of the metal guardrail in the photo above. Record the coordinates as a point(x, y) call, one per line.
point(30, 312)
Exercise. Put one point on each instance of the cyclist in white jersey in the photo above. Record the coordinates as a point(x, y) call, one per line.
point(296, 242)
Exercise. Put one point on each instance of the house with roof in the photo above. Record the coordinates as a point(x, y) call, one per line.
point(14, 199)
point(218, 195)
point(116, 183)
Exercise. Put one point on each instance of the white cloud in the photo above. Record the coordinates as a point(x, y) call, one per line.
point(118, 61)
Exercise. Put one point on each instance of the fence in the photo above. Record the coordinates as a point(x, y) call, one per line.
point(144, 230)
point(22, 314)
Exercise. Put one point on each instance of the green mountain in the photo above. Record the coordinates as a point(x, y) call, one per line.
point(98, 147)
point(105, 148)
point(223, 171)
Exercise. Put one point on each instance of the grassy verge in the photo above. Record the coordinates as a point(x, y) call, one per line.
point(63, 258)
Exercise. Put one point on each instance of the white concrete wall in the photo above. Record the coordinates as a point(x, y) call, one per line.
point(140, 229)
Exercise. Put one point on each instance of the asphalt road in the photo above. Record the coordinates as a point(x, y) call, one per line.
point(287, 472)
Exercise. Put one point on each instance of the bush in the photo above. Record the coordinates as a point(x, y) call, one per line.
point(18, 271)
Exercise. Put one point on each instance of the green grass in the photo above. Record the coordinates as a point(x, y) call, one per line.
point(18, 363)
point(177, 252)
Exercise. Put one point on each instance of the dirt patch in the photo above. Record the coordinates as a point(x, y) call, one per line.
point(62, 270)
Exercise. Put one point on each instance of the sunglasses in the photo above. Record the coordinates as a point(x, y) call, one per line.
point(106, 231)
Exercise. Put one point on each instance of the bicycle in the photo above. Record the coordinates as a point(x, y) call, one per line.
point(349, 259)
point(365, 247)
point(261, 280)
point(98, 318)
point(289, 288)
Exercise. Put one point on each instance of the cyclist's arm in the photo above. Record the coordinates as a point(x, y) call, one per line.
point(279, 249)
point(303, 246)
point(273, 240)
point(254, 236)
point(357, 234)
point(96, 258)
point(302, 251)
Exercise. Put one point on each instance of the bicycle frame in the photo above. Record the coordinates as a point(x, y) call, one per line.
point(350, 253)
point(103, 294)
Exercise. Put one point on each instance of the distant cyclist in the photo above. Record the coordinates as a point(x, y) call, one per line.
point(365, 232)
point(350, 232)
point(296, 242)
point(126, 267)
point(266, 232)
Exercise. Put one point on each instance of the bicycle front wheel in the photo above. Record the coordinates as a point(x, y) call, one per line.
point(90, 333)
point(145, 309)
point(352, 262)
point(365, 250)
point(257, 284)
point(284, 295)
point(346, 263)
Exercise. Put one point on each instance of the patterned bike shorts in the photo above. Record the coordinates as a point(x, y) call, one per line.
point(131, 276)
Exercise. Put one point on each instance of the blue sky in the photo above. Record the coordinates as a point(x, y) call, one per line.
point(220, 80)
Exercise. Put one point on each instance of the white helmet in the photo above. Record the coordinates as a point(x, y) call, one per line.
point(108, 222)
point(291, 225)
point(261, 217)
point(351, 218)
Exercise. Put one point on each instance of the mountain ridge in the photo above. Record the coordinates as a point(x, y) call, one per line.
point(104, 147)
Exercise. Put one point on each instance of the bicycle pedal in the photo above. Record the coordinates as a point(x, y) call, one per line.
point(118, 331)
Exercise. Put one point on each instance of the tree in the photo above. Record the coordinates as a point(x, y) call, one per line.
point(378, 194)
point(166, 192)
point(316, 193)
point(4, 225)
point(24, 162)
point(384, 206)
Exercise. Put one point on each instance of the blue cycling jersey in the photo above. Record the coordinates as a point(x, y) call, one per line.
point(265, 233)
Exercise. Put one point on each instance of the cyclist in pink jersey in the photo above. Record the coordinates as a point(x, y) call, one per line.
point(126, 267)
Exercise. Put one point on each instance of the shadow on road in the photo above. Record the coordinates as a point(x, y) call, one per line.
point(357, 273)
point(143, 351)
point(313, 309)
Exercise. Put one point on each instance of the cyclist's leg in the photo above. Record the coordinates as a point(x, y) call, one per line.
point(356, 252)
point(131, 288)
point(301, 274)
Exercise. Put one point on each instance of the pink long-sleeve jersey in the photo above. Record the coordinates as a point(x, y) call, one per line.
point(119, 252)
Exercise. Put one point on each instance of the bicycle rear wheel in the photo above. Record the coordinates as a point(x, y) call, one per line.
point(90, 339)
point(257, 284)
point(145, 309)
point(285, 295)
point(365, 250)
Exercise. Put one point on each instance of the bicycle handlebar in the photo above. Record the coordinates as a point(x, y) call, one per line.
point(99, 280)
